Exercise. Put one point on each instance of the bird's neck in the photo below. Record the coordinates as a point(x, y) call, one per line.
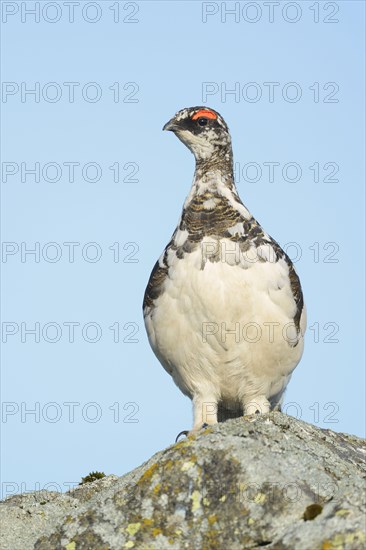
point(214, 175)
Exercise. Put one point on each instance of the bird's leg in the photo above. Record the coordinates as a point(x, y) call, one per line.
point(204, 411)
point(278, 406)
point(257, 405)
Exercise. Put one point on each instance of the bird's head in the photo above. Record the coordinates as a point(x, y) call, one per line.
point(202, 130)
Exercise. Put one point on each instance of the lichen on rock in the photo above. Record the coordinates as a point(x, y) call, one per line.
point(268, 480)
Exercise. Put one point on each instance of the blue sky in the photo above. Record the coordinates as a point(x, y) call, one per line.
point(107, 190)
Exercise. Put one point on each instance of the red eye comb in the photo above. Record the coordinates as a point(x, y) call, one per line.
point(205, 113)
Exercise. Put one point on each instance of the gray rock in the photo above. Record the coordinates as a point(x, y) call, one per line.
point(265, 481)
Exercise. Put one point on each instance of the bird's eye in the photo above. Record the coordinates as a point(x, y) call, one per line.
point(202, 121)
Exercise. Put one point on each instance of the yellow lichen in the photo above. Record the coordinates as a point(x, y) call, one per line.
point(208, 430)
point(68, 519)
point(156, 531)
point(342, 512)
point(132, 528)
point(206, 502)
point(210, 540)
point(260, 498)
point(223, 498)
point(71, 546)
point(182, 445)
point(148, 474)
point(187, 466)
point(196, 500)
point(157, 488)
point(148, 522)
point(212, 519)
point(129, 544)
point(341, 539)
point(250, 521)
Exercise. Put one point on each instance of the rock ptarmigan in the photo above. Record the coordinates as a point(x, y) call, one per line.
point(223, 308)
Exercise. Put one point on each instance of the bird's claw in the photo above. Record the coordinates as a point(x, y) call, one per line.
point(184, 432)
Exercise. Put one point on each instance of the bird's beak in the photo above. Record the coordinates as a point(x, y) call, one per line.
point(171, 125)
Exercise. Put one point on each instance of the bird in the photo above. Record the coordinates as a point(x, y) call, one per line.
point(223, 308)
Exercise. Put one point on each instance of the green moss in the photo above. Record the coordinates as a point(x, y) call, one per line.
point(312, 511)
point(91, 477)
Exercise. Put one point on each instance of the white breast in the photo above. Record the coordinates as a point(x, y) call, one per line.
point(225, 327)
